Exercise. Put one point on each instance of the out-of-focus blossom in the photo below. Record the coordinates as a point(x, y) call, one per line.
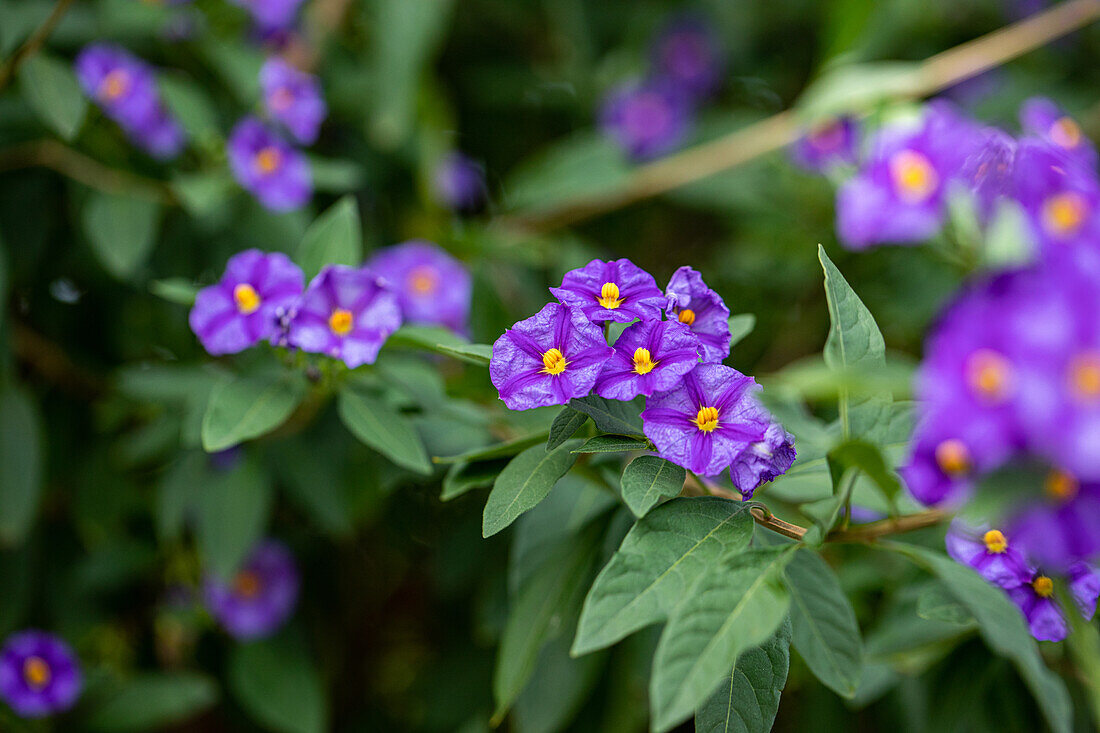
point(1063, 525)
point(125, 88)
point(763, 461)
point(990, 552)
point(293, 98)
point(243, 308)
point(458, 183)
point(259, 599)
point(1060, 197)
point(988, 171)
point(650, 356)
point(1041, 117)
point(688, 53)
point(272, 16)
point(432, 287)
point(346, 313)
point(548, 359)
point(691, 302)
point(617, 290)
point(828, 144)
point(39, 674)
point(1084, 586)
point(263, 163)
point(646, 119)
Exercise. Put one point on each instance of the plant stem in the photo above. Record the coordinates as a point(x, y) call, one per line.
point(31, 45)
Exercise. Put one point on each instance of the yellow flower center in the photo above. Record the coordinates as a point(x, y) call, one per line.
point(423, 280)
point(114, 85)
point(1084, 375)
point(953, 457)
point(609, 296)
point(553, 362)
point(36, 671)
point(281, 99)
point(341, 322)
point(913, 175)
point(247, 299)
point(1061, 486)
point(1063, 213)
point(643, 361)
point(1044, 586)
point(989, 375)
point(1066, 133)
point(687, 316)
point(247, 584)
point(995, 541)
point(268, 159)
point(707, 419)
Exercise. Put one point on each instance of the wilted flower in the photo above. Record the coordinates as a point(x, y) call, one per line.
point(293, 98)
point(272, 15)
point(763, 461)
point(650, 356)
point(1061, 198)
point(431, 286)
point(691, 302)
point(267, 166)
point(260, 597)
point(828, 144)
point(346, 313)
point(707, 421)
point(548, 359)
point(459, 183)
point(39, 674)
point(646, 119)
point(617, 290)
point(687, 52)
point(125, 88)
point(990, 553)
point(1041, 117)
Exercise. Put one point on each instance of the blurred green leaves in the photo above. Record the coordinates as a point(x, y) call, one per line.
point(21, 464)
point(278, 684)
point(121, 229)
point(51, 88)
point(245, 407)
point(334, 238)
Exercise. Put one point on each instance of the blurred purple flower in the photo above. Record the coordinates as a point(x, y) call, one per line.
point(990, 553)
point(988, 171)
point(688, 53)
point(763, 461)
point(293, 98)
point(260, 597)
point(272, 16)
point(831, 143)
point(125, 88)
point(617, 290)
point(1063, 526)
point(707, 421)
point(346, 313)
point(548, 359)
point(243, 308)
point(1084, 586)
point(646, 119)
point(459, 184)
point(650, 356)
point(692, 303)
point(267, 166)
point(39, 674)
point(1041, 117)
point(1060, 196)
point(431, 286)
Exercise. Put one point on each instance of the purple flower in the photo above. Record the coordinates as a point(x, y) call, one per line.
point(829, 144)
point(1063, 526)
point(990, 553)
point(763, 461)
point(646, 119)
point(548, 359)
point(431, 286)
point(272, 15)
point(1041, 117)
point(691, 302)
point(1084, 586)
point(899, 195)
point(267, 166)
point(125, 88)
point(293, 98)
point(346, 313)
point(706, 421)
point(244, 307)
point(39, 674)
point(988, 170)
point(260, 597)
point(1036, 600)
point(650, 356)
point(687, 53)
point(459, 183)
point(1060, 197)
point(617, 290)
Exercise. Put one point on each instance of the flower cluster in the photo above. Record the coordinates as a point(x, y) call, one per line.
point(260, 597)
point(39, 674)
point(125, 87)
point(345, 313)
point(699, 414)
point(652, 116)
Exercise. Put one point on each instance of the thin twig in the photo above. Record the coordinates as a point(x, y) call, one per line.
point(705, 160)
point(50, 362)
point(32, 44)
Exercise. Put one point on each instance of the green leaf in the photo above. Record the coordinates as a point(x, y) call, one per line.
point(738, 603)
point(741, 325)
point(557, 689)
point(849, 88)
point(336, 176)
point(189, 104)
point(936, 603)
point(565, 426)
point(647, 479)
point(748, 699)
point(1003, 628)
point(479, 354)
point(659, 560)
point(612, 444)
point(245, 407)
point(121, 230)
point(177, 493)
point(500, 450)
point(824, 625)
point(424, 337)
point(277, 684)
point(178, 290)
point(21, 456)
point(523, 483)
point(868, 459)
point(381, 427)
point(334, 238)
point(153, 701)
point(612, 416)
point(463, 477)
point(204, 195)
point(50, 87)
point(585, 164)
point(232, 515)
